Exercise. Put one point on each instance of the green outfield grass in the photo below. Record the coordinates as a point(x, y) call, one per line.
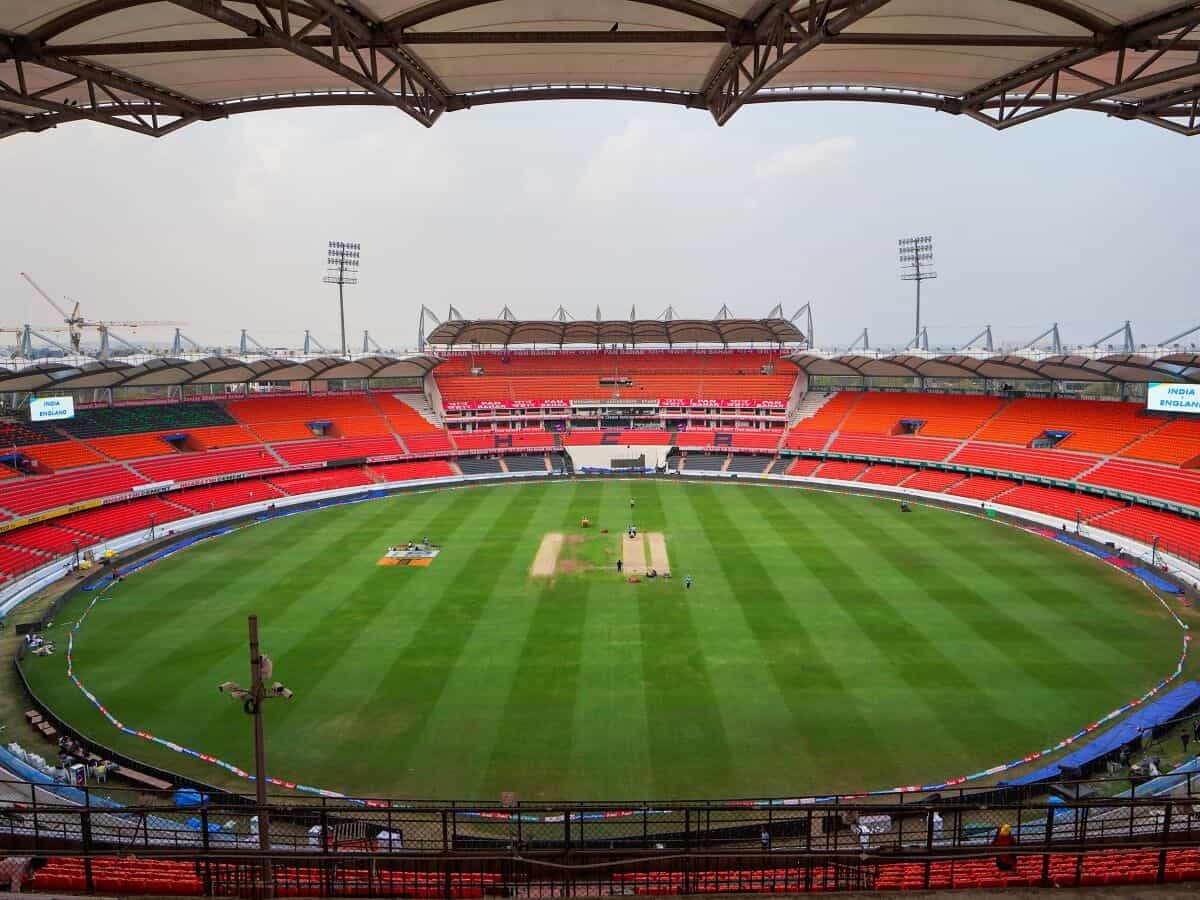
point(830, 642)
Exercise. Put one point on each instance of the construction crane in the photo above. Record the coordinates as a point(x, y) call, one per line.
point(26, 333)
point(76, 322)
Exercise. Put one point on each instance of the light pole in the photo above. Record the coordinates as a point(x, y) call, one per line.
point(1154, 552)
point(153, 520)
point(1078, 513)
point(342, 269)
point(916, 264)
point(261, 670)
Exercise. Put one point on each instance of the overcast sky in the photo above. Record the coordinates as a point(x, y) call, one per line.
point(1077, 218)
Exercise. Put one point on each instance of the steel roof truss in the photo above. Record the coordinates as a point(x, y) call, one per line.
point(414, 93)
point(785, 39)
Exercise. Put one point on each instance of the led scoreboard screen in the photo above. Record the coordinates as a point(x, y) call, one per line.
point(1173, 398)
point(48, 409)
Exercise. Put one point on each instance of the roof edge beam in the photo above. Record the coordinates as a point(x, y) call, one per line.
point(1135, 35)
point(738, 82)
point(412, 95)
point(437, 8)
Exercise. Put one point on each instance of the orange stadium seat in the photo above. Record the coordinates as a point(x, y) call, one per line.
point(63, 455)
point(979, 487)
point(18, 560)
point(225, 495)
point(900, 447)
point(271, 432)
point(407, 471)
point(886, 474)
point(122, 518)
point(1176, 442)
point(803, 467)
point(933, 480)
point(944, 415)
point(1175, 533)
point(1049, 463)
point(132, 446)
point(187, 466)
point(294, 408)
point(29, 495)
point(338, 448)
point(320, 480)
point(806, 439)
point(219, 436)
point(840, 471)
point(830, 415)
point(1058, 502)
point(1179, 485)
point(427, 442)
point(1095, 426)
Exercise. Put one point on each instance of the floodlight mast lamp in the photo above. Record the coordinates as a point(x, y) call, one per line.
point(342, 269)
point(916, 264)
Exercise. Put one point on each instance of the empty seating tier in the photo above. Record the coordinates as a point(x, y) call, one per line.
point(806, 439)
point(1178, 485)
point(63, 454)
point(1047, 463)
point(221, 436)
point(225, 495)
point(132, 446)
point(338, 448)
point(840, 471)
point(172, 417)
point(885, 474)
point(298, 408)
point(1175, 533)
point(801, 467)
point(1175, 442)
point(408, 471)
point(47, 538)
point(320, 480)
point(940, 415)
point(427, 442)
point(188, 466)
point(1058, 502)
point(978, 487)
point(1094, 426)
point(30, 495)
point(16, 560)
point(21, 434)
point(924, 449)
point(123, 518)
point(933, 480)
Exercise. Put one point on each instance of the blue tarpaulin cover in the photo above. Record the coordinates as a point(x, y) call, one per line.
point(1167, 707)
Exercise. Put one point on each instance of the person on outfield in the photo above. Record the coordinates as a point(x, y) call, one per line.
point(620, 566)
point(687, 583)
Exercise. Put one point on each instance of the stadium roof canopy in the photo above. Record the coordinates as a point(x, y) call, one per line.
point(1025, 366)
point(153, 66)
point(1169, 365)
point(558, 332)
point(115, 373)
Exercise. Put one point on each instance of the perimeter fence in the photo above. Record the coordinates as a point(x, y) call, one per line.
point(327, 847)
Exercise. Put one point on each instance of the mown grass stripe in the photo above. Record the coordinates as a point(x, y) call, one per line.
point(676, 675)
point(535, 726)
point(934, 679)
point(1036, 655)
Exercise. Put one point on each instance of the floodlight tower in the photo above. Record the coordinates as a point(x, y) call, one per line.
point(342, 269)
point(916, 264)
